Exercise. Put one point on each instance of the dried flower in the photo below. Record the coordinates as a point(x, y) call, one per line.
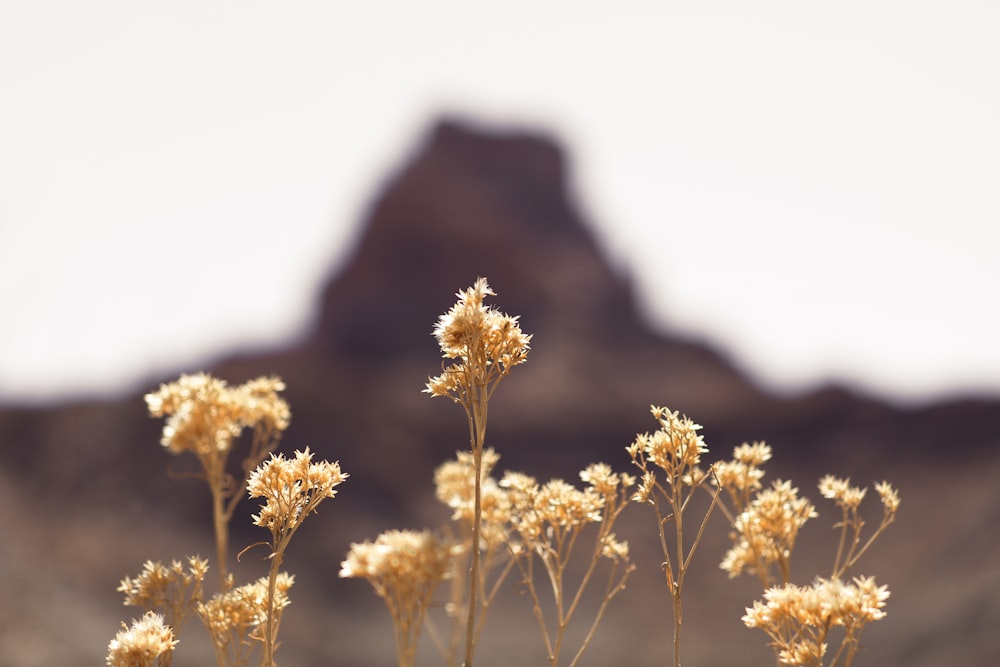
point(841, 492)
point(292, 489)
point(798, 619)
point(236, 616)
point(404, 567)
point(765, 532)
point(204, 416)
point(676, 447)
point(172, 590)
point(147, 643)
point(485, 343)
point(548, 521)
point(889, 496)
point(669, 462)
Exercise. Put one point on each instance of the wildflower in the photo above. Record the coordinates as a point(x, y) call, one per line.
point(172, 589)
point(485, 342)
point(454, 482)
point(841, 492)
point(753, 455)
point(205, 416)
point(798, 618)
point(292, 489)
point(548, 521)
point(676, 447)
point(672, 452)
point(766, 530)
point(889, 496)
point(404, 568)
point(740, 476)
point(849, 498)
point(483, 345)
point(237, 615)
point(147, 643)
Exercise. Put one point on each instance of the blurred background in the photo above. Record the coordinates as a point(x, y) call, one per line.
point(811, 187)
point(778, 218)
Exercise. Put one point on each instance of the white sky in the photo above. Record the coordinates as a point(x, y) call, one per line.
point(811, 185)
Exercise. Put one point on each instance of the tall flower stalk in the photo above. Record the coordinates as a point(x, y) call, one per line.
point(668, 460)
point(292, 489)
point(480, 346)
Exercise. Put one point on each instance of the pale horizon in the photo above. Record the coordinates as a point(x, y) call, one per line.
point(808, 188)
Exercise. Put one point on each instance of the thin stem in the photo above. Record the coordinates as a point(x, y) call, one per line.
point(221, 525)
point(270, 626)
point(840, 543)
point(701, 528)
point(477, 428)
point(609, 593)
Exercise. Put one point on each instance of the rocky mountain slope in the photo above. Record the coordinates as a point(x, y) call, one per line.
point(88, 500)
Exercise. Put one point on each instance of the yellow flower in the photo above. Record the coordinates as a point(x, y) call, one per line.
point(148, 642)
point(233, 616)
point(204, 414)
point(485, 343)
point(889, 496)
point(841, 492)
point(291, 488)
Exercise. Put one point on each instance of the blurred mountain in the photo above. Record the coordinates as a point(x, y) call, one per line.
point(86, 486)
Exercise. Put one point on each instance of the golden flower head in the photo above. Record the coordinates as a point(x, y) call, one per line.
point(400, 559)
point(244, 607)
point(755, 454)
point(204, 414)
point(485, 343)
point(766, 530)
point(825, 603)
point(889, 496)
point(159, 586)
point(291, 488)
point(841, 492)
point(603, 480)
point(676, 447)
point(146, 643)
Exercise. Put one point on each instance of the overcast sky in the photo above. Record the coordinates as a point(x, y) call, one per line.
point(812, 186)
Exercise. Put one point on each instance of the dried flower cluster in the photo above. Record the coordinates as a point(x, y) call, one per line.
point(669, 460)
point(848, 498)
point(765, 533)
point(404, 567)
point(546, 522)
point(480, 346)
point(291, 489)
point(147, 643)
point(484, 343)
point(454, 482)
point(204, 416)
point(173, 591)
point(765, 525)
point(798, 619)
point(740, 477)
point(235, 618)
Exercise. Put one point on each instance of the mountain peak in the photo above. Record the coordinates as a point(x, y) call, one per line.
point(471, 203)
